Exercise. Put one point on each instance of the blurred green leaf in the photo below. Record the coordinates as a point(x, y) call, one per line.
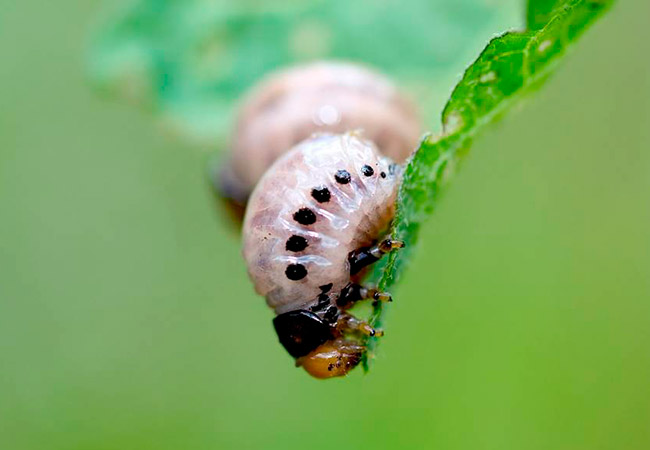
point(539, 12)
point(509, 67)
point(190, 61)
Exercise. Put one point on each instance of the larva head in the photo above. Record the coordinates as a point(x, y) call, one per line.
point(311, 340)
point(301, 331)
point(332, 359)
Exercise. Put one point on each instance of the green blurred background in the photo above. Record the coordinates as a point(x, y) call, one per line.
point(127, 320)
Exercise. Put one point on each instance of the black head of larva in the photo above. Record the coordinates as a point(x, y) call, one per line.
point(316, 344)
point(301, 332)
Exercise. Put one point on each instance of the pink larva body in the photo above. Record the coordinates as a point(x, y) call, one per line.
point(328, 196)
point(332, 97)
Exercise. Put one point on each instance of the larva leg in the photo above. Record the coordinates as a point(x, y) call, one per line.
point(347, 323)
point(354, 292)
point(365, 256)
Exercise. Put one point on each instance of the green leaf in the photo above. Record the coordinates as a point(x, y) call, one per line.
point(539, 12)
point(511, 66)
point(188, 62)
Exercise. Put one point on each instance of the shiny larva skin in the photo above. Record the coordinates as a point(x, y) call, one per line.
point(358, 208)
point(289, 106)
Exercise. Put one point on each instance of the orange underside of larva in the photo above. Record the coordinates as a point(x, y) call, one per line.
point(332, 359)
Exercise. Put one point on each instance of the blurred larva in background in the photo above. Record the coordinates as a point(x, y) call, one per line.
point(288, 106)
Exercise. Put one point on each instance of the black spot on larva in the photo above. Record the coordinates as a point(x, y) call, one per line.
point(367, 171)
point(383, 174)
point(391, 169)
point(326, 288)
point(304, 216)
point(295, 272)
point(296, 243)
point(321, 194)
point(342, 176)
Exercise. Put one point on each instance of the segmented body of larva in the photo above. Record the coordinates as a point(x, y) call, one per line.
point(309, 228)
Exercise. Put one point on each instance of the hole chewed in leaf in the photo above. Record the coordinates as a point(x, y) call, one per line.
point(453, 123)
point(544, 45)
point(488, 77)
